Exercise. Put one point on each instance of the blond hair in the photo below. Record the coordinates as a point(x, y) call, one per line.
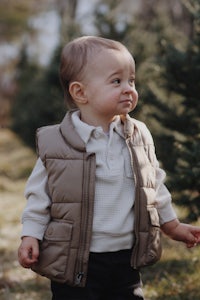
point(75, 57)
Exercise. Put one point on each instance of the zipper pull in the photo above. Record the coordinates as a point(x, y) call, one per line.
point(79, 277)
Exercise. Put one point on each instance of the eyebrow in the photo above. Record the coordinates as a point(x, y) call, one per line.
point(117, 72)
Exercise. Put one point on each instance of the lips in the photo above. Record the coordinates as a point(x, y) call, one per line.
point(126, 101)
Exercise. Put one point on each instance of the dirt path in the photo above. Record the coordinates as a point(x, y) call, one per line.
point(16, 161)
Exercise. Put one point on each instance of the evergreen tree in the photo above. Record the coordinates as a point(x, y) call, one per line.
point(181, 73)
point(39, 99)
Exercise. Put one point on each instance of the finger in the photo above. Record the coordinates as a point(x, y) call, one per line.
point(24, 258)
point(195, 231)
point(197, 237)
point(191, 245)
point(34, 254)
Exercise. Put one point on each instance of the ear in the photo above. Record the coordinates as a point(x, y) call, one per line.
point(77, 92)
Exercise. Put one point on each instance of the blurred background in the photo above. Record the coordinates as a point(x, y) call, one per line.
point(164, 38)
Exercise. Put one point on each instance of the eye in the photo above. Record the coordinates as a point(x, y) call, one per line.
point(116, 81)
point(132, 81)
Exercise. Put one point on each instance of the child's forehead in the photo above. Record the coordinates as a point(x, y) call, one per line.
point(115, 56)
point(109, 62)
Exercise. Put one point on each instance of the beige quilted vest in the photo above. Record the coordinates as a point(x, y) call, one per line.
point(64, 251)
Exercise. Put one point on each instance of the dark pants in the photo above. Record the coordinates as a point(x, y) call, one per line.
point(110, 277)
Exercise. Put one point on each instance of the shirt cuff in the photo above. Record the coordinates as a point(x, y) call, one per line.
point(33, 229)
point(167, 214)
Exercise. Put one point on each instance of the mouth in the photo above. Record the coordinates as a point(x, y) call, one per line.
point(130, 101)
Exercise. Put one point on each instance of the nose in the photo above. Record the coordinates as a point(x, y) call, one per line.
point(130, 89)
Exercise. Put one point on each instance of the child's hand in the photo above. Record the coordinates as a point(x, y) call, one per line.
point(195, 231)
point(186, 233)
point(28, 251)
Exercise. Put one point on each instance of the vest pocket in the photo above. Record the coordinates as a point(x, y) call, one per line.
point(54, 251)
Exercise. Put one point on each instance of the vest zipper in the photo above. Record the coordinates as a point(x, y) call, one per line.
point(78, 278)
point(80, 271)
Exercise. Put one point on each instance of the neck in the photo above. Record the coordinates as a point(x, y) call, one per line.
point(97, 122)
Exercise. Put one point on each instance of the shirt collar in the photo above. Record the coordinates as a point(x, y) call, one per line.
point(85, 131)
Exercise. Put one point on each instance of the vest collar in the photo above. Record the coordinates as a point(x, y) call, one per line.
point(69, 133)
point(71, 136)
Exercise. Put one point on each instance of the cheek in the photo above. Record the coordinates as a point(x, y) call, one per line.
point(114, 95)
point(108, 97)
point(135, 99)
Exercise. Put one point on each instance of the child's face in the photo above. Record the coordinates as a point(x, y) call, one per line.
point(110, 84)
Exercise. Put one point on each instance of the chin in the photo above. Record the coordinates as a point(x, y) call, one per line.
point(126, 111)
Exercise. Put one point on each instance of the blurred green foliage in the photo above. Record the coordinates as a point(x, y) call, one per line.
point(13, 17)
point(39, 100)
point(181, 73)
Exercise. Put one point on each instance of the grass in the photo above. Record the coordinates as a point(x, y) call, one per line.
point(16, 162)
point(175, 277)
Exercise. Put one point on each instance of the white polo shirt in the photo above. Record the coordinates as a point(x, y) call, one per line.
point(113, 221)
